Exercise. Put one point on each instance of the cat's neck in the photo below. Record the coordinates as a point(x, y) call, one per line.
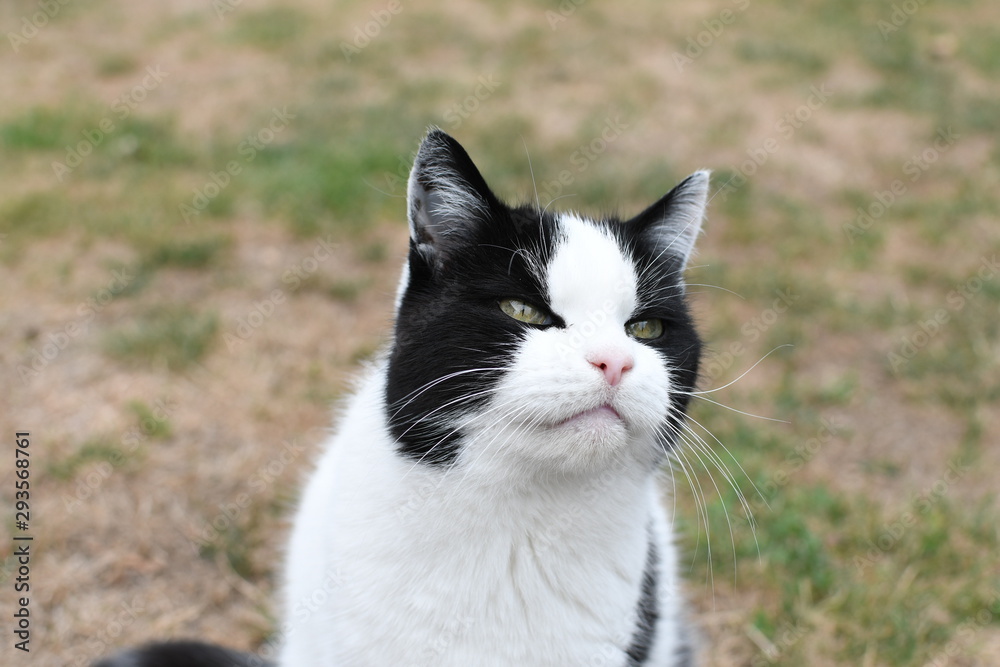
point(558, 509)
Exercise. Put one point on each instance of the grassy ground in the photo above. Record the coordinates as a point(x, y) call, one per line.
point(201, 226)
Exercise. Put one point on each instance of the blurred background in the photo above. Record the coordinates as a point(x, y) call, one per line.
point(202, 222)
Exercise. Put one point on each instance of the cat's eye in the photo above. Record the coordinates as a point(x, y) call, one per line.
point(525, 312)
point(645, 329)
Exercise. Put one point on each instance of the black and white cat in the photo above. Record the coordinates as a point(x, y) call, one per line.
point(491, 496)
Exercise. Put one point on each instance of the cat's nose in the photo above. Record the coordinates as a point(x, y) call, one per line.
point(612, 363)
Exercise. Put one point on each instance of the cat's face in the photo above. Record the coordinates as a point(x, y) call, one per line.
point(548, 340)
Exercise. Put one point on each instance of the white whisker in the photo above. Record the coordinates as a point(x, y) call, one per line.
point(736, 294)
point(710, 391)
point(741, 412)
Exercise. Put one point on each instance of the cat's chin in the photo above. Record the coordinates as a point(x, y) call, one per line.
point(603, 416)
point(584, 440)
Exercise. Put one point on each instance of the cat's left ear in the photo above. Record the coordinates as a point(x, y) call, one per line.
point(673, 223)
point(446, 198)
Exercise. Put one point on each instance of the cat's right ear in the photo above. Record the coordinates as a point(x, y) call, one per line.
point(447, 198)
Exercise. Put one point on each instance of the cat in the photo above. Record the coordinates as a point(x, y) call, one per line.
point(491, 497)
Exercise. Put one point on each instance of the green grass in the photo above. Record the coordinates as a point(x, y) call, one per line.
point(173, 335)
point(329, 172)
point(116, 64)
point(319, 186)
point(153, 422)
point(320, 174)
point(90, 452)
point(235, 545)
point(348, 291)
point(808, 551)
point(803, 59)
point(270, 29)
point(95, 138)
point(374, 252)
point(981, 47)
point(45, 128)
point(187, 254)
point(36, 213)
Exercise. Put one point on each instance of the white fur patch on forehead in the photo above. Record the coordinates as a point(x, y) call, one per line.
point(588, 272)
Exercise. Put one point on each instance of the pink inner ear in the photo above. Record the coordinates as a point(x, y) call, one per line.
point(613, 363)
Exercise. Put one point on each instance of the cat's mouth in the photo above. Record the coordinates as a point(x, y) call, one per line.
point(602, 414)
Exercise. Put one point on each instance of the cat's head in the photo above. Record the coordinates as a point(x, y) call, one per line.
point(550, 339)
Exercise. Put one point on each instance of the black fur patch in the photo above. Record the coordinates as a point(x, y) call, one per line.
point(452, 342)
point(183, 654)
point(685, 649)
point(647, 611)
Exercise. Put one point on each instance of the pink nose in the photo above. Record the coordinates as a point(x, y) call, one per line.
point(612, 363)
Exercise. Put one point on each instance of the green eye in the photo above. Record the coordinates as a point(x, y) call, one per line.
point(525, 312)
point(645, 329)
